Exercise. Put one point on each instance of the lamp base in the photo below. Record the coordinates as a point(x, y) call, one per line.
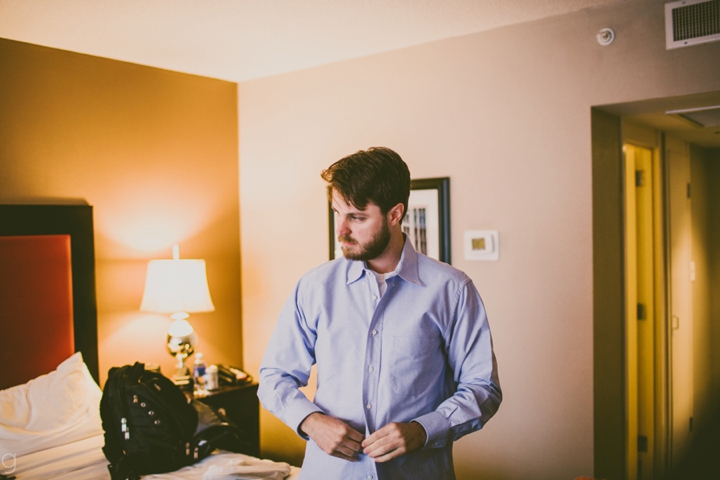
point(181, 341)
point(182, 372)
point(182, 375)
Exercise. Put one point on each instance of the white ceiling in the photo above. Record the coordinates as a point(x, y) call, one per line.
point(239, 40)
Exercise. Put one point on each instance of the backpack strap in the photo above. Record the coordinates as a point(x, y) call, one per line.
point(113, 449)
point(214, 431)
point(121, 470)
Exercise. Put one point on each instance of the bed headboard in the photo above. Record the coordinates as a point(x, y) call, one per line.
point(47, 289)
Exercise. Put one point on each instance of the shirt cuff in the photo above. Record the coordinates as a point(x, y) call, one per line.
point(436, 427)
point(298, 411)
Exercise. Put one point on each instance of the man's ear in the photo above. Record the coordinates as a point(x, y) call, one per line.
point(396, 214)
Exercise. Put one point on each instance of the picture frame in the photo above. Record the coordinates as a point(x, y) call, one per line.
point(426, 224)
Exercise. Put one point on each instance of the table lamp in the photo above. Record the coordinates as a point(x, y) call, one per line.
point(178, 287)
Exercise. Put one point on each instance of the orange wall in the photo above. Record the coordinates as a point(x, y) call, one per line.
point(506, 114)
point(156, 154)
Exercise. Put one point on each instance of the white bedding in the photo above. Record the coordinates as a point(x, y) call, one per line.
point(78, 460)
point(54, 409)
point(50, 428)
point(84, 460)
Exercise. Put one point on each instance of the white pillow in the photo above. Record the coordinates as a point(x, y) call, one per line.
point(54, 409)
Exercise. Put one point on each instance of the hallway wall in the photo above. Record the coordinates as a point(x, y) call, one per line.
point(712, 170)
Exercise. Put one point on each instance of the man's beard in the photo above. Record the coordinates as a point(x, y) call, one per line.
point(373, 249)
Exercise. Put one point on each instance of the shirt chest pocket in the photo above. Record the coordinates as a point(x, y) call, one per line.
point(417, 364)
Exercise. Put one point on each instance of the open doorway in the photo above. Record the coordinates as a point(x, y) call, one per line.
point(655, 247)
point(645, 304)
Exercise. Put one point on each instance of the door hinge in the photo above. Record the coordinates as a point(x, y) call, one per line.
point(641, 313)
point(642, 443)
point(639, 178)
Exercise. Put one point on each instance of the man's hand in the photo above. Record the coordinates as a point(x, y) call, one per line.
point(333, 436)
point(393, 440)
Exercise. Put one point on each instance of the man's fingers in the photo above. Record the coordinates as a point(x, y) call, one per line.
point(342, 446)
point(385, 449)
point(373, 446)
point(394, 440)
point(355, 436)
point(344, 456)
point(348, 446)
point(378, 435)
point(390, 455)
point(383, 441)
point(333, 436)
point(347, 452)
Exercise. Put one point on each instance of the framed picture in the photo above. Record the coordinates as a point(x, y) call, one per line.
point(427, 222)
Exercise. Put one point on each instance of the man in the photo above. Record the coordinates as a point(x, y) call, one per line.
point(404, 355)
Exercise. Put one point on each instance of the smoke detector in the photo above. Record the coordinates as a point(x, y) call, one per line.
point(605, 36)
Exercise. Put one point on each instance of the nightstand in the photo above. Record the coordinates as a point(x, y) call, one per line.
point(241, 405)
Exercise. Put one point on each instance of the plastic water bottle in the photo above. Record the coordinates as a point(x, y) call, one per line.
point(199, 375)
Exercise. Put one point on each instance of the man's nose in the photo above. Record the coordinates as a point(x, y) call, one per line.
point(342, 228)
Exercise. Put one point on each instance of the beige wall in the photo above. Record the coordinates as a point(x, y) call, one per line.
point(712, 169)
point(506, 115)
point(156, 154)
point(701, 286)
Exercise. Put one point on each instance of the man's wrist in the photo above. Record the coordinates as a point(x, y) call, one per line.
point(304, 423)
point(421, 429)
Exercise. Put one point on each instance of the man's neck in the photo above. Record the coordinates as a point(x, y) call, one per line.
point(387, 261)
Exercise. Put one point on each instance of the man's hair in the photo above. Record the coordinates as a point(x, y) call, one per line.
point(377, 174)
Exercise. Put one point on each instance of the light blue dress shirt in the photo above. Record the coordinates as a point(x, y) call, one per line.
point(421, 352)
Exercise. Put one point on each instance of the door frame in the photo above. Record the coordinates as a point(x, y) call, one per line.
point(656, 340)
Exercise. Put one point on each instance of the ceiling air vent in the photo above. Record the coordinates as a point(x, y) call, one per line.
point(690, 22)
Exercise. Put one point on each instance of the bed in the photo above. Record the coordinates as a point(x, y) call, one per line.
point(49, 396)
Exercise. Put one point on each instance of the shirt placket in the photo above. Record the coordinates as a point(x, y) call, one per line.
point(373, 350)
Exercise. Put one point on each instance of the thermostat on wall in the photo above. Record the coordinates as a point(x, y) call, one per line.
point(481, 245)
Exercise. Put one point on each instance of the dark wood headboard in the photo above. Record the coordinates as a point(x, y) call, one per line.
point(75, 221)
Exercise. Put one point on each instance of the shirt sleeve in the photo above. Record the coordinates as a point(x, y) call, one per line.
point(286, 366)
point(471, 357)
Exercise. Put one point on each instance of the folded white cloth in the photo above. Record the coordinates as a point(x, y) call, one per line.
point(247, 468)
point(84, 460)
point(228, 466)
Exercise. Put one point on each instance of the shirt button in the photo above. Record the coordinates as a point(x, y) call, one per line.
point(374, 332)
point(372, 369)
point(368, 406)
point(374, 297)
point(369, 477)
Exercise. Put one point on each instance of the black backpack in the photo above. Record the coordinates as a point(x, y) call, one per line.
point(152, 427)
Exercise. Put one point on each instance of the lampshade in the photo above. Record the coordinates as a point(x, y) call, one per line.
point(176, 286)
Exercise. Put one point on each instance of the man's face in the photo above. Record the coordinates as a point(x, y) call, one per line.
point(363, 234)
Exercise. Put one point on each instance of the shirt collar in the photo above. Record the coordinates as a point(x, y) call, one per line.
point(407, 266)
point(355, 270)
